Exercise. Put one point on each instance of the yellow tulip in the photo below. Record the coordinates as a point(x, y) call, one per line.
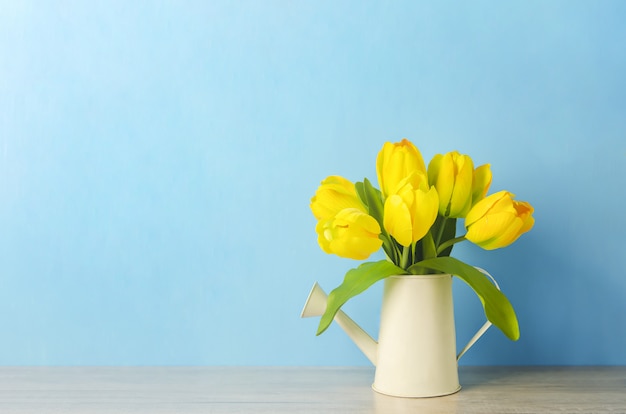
point(410, 213)
point(481, 183)
point(333, 195)
point(452, 175)
point(395, 162)
point(351, 233)
point(497, 221)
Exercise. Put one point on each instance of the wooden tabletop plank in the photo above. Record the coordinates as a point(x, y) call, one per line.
point(158, 390)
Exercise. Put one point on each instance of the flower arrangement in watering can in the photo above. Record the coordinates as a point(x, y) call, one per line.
point(413, 217)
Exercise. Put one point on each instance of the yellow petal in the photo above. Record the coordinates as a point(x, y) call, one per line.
point(525, 211)
point(355, 245)
point(433, 168)
point(495, 202)
point(397, 220)
point(333, 195)
point(416, 180)
point(481, 183)
point(351, 234)
point(461, 199)
point(445, 183)
point(396, 161)
point(452, 175)
point(509, 234)
point(324, 234)
point(424, 211)
point(488, 228)
point(501, 224)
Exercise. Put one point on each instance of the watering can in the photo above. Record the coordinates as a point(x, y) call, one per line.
point(415, 355)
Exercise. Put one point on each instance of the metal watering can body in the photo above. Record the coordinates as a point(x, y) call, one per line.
point(415, 355)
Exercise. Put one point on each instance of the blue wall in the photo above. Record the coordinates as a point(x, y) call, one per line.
point(157, 161)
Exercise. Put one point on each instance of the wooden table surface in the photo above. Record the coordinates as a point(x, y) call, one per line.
point(157, 390)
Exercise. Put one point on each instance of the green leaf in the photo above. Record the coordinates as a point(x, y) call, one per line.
point(360, 191)
point(498, 309)
point(449, 232)
point(356, 281)
point(374, 201)
point(442, 230)
point(388, 247)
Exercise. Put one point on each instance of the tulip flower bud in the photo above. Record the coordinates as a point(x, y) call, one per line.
point(452, 175)
point(395, 162)
point(481, 183)
point(497, 221)
point(352, 234)
point(411, 212)
point(333, 195)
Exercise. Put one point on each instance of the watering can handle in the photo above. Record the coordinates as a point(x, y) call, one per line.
point(483, 328)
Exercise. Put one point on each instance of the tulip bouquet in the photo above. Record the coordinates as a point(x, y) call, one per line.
point(413, 217)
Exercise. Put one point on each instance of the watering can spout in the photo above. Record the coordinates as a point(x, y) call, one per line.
point(316, 305)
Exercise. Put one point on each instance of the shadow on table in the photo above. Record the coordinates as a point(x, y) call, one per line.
point(384, 404)
point(471, 378)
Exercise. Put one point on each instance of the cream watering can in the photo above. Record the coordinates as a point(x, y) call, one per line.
point(415, 355)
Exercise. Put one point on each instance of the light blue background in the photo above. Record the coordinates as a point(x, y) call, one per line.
point(157, 160)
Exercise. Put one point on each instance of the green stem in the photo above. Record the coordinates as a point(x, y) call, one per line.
point(442, 226)
point(428, 246)
point(388, 246)
point(397, 257)
point(404, 262)
point(449, 243)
